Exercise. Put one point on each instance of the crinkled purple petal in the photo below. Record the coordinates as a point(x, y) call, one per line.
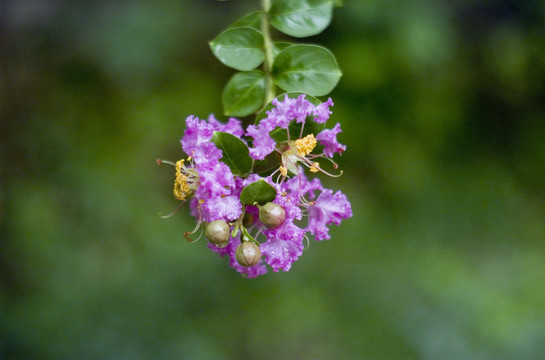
point(206, 153)
point(280, 115)
point(196, 133)
point(301, 108)
point(263, 144)
point(281, 251)
point(321, 112)
point(328, 138)
point(288, 110)
point(328, 209)
point(233, 126)
point(214, 179)
point(226, 208)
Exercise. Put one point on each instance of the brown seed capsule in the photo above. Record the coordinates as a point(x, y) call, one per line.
point(218, 232)
point(248, 254)
point(272, 215)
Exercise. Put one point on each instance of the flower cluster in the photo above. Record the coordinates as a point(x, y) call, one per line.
point(254, 212)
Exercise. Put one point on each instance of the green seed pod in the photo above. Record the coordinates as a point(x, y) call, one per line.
point(248, 254)
point(272, 215)
point(218, 232)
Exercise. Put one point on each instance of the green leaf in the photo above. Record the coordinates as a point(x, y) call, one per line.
point(239, 48)
point(268, 165)
point(260, 192)
point(244, 94)
point(252, 20)
point(310, 69)
point(301, 18)
point(235, 152)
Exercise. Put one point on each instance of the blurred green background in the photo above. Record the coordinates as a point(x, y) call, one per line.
point(442, 106)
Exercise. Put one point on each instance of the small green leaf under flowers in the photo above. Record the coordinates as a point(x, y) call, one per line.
point(310, 69)
point(301, 18)
point(259, 192)
point(235, 152)
point(244, 94)
point(240, 48)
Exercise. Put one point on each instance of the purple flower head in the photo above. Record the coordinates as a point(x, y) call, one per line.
point(213, 192)
point(328, 138)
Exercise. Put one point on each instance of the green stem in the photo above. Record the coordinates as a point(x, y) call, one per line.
point(269, 57)
point(247, 237)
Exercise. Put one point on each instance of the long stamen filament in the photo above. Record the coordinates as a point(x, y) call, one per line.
point(315, 168)
point(161, 161)
point(307, 242)
point(174, 212)
point(302, 128)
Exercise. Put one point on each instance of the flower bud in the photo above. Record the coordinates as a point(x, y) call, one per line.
point(272, 215)
point(218, 232)
point(248, 254)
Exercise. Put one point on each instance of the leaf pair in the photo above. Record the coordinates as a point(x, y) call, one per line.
point(310, 69)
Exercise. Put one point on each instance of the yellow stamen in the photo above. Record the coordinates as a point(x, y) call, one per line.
point(181, 187)
point(283, 170)
point(305, 145)
point(315, 167)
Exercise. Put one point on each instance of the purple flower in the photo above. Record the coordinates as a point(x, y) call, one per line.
point(328, 209)
point(196, 133)
point(215, 179)
point(322, 112)
point(328, 138)
point(280, 116)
